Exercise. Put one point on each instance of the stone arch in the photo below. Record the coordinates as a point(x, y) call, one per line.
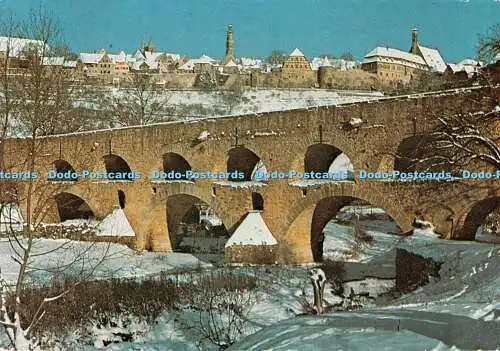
point(175, 162)
point(319, 157)
point(202, 226)
point(116, 164)
point(339, 142)
point(63, 166)
point(327, 158)
point(305, 221)
point(203, 193)
point(411, 149)
point(243, 160)
point(470, 221)
point(70, 206)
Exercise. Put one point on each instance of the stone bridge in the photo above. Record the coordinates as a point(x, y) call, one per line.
point(369, 133)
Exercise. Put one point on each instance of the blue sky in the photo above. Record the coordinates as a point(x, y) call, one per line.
point(317, 27)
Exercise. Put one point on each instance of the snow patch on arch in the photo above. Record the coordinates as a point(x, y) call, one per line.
point(342, 163)
point(115, 224)
point(252, 231)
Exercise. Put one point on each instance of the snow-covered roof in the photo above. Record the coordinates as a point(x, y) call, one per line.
point(120, 58)
point(252, 231)
point(433, 58)
point(53, 61)
point(296, 53)
point(318, 62)
point(189, 65)
point(454, 67)
point(205, 59)
point(459, 67)
point(248, 62)
point(90, 58)
point(17, 45)
point(95, 58)
point(231, 63)
point(174, 57)
point(138, 55)
point(130, 58)
point(395, 54)
point(470, 62)
point(138, 65)
point(338, 63)
point(70, 64)
point(152, 56)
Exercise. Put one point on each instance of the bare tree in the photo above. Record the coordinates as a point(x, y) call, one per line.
point(348, 56)
point(276, 58)
point(224, 303)
point(460, 140)
point(208, 80)
point(36, 100)
point(145, 101)
point(488, 45)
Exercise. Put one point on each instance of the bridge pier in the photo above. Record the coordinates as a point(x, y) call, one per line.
point(150, 228)
point(147, 217)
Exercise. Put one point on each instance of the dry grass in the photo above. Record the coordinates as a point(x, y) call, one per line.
point(98, 301)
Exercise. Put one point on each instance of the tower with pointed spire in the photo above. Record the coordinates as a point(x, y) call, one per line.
point(229, 44)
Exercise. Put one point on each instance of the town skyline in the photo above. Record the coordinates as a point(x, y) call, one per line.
point(318, 29)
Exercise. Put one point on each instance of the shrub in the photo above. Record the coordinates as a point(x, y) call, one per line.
point(335, 275)
point(100, 303)
point(223, 302)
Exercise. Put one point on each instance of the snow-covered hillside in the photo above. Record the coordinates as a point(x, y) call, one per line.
point(192, 104)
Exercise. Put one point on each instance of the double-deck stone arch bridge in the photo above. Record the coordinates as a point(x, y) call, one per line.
point(370, 133)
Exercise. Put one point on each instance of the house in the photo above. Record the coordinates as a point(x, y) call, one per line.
point(15, 50)
point(56, 62)
point(106, 66)
point(90, 64)
point(231, 67)
point(398, 67)
point(336, 63)
point(121, 64)
point(204, 63)
point(251, 63)
point(296, 71)
point(465, 69)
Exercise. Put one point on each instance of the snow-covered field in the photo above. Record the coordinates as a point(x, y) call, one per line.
point(456, 310)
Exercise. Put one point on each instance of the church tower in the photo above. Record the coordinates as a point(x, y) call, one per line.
point(229, 44)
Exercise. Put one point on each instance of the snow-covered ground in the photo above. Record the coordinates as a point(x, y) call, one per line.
point(465, 299)
point(460, 310)
point(120, 261)
point(195, 103)
point(463, 304)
